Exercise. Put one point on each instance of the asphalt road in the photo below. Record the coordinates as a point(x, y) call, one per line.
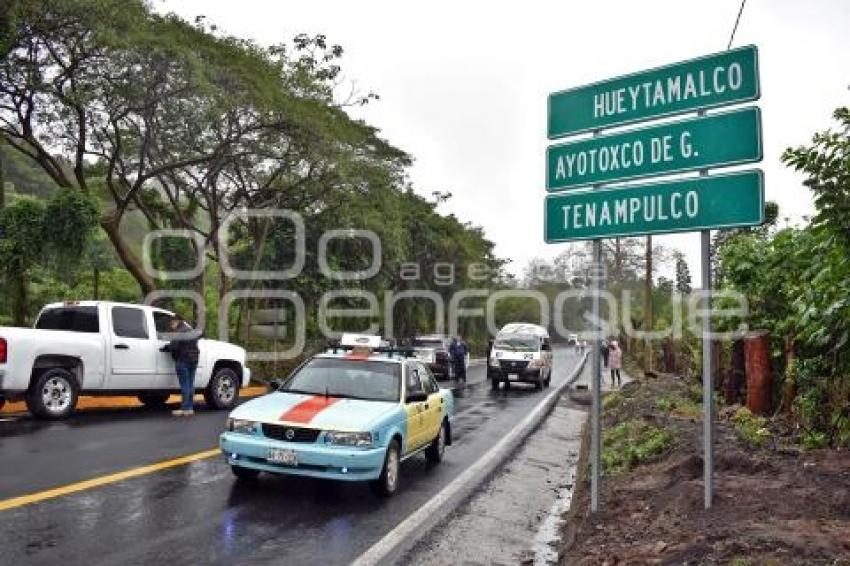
point(196, 513)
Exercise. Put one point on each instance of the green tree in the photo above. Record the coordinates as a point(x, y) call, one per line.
point(34, 231)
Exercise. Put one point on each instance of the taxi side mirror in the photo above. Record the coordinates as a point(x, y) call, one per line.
point(274, 385)
point(416, 397)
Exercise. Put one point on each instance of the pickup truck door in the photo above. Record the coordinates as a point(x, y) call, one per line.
point(166, 374)
point(134, 349)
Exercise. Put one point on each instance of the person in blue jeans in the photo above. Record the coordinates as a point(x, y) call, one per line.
point(184, 350)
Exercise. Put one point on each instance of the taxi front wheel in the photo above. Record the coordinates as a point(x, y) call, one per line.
point(387, 483)
point(437, 449)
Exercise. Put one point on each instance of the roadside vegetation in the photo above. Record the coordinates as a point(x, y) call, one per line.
point(632, 443)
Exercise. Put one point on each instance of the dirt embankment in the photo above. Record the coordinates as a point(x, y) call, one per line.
point(774, 503)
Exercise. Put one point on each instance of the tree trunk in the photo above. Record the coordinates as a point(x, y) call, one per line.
point(200, 287)
point(128, 257)
point(2, 180)
point(789, 387)
point(759, 382)
point(647, 304)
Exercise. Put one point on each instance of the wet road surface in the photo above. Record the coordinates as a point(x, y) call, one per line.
point(197, 513)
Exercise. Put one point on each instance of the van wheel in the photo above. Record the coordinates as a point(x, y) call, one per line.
point(223, 389)
point(53, 395)
point(154, 400)
point(437, 449)
point(538, 385)
point(387, 483)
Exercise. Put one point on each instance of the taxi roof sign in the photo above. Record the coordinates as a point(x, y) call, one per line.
point(361, 341)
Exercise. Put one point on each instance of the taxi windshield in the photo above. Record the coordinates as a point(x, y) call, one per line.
point(517, 343)
point(353, 379)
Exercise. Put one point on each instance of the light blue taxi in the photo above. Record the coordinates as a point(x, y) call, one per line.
point(353, 413)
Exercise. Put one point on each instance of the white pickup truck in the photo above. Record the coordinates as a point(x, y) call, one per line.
point(103, 348)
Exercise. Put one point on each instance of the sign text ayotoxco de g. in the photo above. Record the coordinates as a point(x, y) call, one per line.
point(707, 82)
point(728, 138)
point(718, 201)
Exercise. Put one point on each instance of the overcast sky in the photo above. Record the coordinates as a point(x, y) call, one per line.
point(463, 85)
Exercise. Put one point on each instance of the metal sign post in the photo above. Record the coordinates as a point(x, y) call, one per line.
point(707, 381)
point(596, 368)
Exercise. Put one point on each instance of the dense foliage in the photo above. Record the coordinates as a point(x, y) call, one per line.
point(797, 281)
point(158, 123)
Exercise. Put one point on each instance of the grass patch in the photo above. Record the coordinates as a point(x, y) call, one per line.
point(752, 429)
point(680, 406)
point(632, 443)
point(613, 400)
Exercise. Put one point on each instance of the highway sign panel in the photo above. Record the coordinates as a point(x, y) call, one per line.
point(718, 140)
point(707, 82)
point(698, 203)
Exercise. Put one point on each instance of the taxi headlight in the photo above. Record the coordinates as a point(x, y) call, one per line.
point(538, 363)
point(494, 362)
point(241, 426)
point(349, 438)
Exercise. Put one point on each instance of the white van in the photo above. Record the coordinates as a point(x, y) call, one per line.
point(521, 352)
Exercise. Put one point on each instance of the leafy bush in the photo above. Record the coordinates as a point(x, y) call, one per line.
point(751, 428)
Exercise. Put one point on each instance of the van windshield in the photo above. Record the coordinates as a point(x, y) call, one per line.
point(517, 343)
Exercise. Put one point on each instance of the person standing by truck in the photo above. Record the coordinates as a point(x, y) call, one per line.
point(457, 352)
point(184, 350)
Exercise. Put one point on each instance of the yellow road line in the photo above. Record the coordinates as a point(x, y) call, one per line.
point(105, 480)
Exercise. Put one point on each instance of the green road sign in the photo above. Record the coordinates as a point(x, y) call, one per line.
point(718, 140)
point(708, 82)
point(717, 201)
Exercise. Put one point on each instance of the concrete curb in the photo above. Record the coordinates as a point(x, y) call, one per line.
point(395, 544)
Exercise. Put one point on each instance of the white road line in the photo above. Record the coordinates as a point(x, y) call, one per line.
point(406, 529)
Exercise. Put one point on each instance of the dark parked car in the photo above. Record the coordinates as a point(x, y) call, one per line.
point(434, 351)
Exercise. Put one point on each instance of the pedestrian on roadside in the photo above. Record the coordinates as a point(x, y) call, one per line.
point(615, 355)
point(604, 349)
point(184, 350)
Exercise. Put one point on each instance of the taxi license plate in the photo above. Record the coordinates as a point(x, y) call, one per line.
point(283, 456)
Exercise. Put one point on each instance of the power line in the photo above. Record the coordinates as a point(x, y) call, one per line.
point(737, 21)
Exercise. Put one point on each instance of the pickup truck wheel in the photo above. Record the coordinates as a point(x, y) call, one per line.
point(154, 400)
point(437, 449)
point(223, 389)
point(53, 394)
point(387, 483)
